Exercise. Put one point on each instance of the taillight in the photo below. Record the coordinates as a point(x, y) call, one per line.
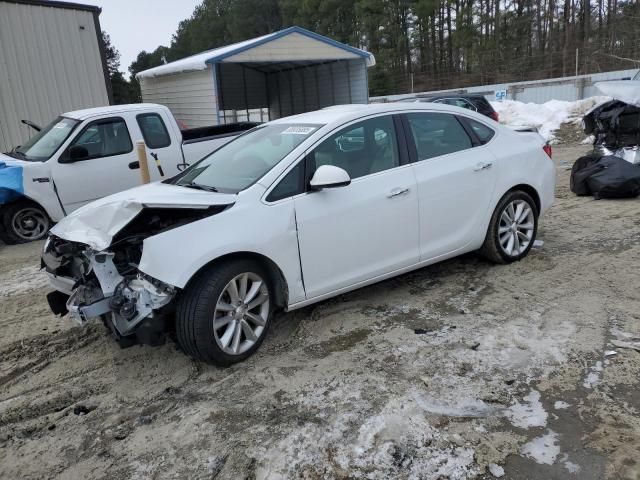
point(547, 150)
point(495, 116)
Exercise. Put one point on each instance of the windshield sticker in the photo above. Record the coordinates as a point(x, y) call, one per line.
point(60, 125)
point(299, 130)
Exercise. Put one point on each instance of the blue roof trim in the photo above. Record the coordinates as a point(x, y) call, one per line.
point(288, 31)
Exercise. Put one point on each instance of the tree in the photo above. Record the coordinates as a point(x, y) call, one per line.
point(439, 44)
point(120, 87)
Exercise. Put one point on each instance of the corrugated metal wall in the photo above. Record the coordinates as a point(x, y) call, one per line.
point(190, 96)
point(536, 91)
point(49, 64)
point(317, 86)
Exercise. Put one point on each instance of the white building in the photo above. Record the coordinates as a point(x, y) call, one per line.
point(280, 74)
point(51, 61)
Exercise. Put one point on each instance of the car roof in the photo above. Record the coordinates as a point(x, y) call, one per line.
point(450, 95)
point(111, 110)
point(346, 113)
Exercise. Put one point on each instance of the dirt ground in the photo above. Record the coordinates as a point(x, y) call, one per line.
point(460, 370)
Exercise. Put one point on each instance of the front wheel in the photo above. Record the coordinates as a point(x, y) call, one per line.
point(223, 315)
point(512, 229)
point(23, 222)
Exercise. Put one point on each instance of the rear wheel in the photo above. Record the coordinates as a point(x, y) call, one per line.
point(224, 314)
point(23, 221)
point(513, 228)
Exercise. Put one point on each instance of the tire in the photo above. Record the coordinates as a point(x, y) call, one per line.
point(23, 221)
point(209, 296)
point(496, 243)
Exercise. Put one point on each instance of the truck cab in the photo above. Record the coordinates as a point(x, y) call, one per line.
point(88, 154)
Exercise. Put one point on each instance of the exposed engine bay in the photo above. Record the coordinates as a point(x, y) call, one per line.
point(107, 284)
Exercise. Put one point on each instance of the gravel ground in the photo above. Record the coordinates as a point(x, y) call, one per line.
point(460, 370)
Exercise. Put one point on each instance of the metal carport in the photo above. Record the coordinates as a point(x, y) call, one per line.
point(287, 72)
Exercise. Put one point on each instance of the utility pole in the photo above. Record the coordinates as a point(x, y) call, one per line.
point(577, 62)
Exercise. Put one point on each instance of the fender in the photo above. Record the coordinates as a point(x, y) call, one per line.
point(31, 180)
point(174, 256)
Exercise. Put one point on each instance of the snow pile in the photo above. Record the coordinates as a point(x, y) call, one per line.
point(546, 117)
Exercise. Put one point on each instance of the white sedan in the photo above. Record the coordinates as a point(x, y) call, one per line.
point(295, 211)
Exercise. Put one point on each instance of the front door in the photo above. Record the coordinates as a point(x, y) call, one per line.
point(456, 176)
point(354, 233)
point(103, 170)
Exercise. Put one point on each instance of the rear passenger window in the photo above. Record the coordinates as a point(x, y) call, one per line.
point(437, 134)
point(153, 130)
point(483, 132)
point(292, 184)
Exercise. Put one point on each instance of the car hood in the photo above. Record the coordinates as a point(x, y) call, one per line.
point(96, 223)
point(627, 91)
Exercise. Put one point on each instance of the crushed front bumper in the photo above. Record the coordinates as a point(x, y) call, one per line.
point(122, 302)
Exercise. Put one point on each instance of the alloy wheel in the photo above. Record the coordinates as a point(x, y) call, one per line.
point(241, 313)
point(515, 230)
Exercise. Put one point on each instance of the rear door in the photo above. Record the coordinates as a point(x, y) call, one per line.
point(455, 174)
point(164, 150)
point(103, 170)
point(354, 233)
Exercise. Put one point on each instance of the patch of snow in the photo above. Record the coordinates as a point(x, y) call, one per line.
point(569, 466)
point(528, 414)
point(546, 117)
point(544, 449)
point(593, 376)
point(496, 470)
point(21, 280)
point(464, 407)
point(560, 405)
point(397, 440)
point(610, 353)
point(588, 140)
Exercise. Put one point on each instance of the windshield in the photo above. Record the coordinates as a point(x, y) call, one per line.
point(241, 162)
point(46, 142)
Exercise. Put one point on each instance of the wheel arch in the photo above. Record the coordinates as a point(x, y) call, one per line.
point(22, 198)
point(276, 276)
point(529, 190)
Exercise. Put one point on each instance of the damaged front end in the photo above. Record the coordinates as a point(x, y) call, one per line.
point(108, 285)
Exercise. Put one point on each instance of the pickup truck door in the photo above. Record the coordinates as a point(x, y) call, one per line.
point(163, 141)
point(96, 163)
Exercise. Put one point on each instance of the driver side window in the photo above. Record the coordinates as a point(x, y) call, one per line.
point(360, 149)
point(104, 138)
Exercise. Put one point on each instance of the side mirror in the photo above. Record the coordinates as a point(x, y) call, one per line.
point(329, 176)
point(75, 154)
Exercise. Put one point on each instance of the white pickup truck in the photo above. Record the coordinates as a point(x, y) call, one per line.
point(87, 154)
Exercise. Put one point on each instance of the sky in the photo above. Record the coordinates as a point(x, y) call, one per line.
point(136, 25)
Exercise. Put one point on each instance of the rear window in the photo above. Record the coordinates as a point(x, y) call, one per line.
point(483, 132)
point(153, 130)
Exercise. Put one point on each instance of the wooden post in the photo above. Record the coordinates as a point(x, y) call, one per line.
point(142, 159)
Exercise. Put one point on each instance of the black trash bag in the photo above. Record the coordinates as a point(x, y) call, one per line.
point(614, 124)
point(617, 179)
point(582, 169)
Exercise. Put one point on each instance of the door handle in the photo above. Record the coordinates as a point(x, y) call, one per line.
point(482, 166)
point(134, 165)
point(397, 191)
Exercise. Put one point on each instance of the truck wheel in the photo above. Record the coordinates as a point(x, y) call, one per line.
point(23, 221)
point(512, 229)
point(224, 314)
